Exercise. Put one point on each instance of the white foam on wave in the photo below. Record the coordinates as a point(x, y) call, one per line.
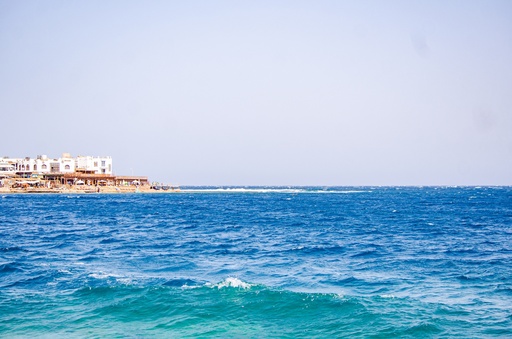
point(288, 190)
point(242, 190)
point(108, 276)
point(231, 282)
point(349, 192)
point(103, 275)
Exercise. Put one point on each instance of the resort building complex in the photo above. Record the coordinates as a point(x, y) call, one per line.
point(66, 172)
point(66, 164)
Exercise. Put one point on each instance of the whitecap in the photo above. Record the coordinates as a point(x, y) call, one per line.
point(286, 190)
point(232, 282)
point(111, 276)
point(100, 275)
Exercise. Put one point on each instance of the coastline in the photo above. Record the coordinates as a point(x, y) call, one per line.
point(75, 189)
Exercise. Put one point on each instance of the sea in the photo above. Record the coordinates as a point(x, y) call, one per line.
point(258, 262)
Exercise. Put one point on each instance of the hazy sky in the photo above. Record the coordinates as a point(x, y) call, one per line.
point(264, 92)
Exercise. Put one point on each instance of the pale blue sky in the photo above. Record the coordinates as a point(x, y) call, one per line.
point(264, 92)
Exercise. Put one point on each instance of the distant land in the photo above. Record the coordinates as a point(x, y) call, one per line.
point(67, 174)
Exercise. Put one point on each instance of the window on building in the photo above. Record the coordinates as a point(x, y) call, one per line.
point(95, 164)
point(102, 163)
point(43, 166)
point(67, 167)
point(35, 167)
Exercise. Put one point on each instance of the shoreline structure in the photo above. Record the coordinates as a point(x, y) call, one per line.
point(81, 174)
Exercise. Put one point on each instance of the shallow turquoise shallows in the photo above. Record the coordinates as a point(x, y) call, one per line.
point(304, 262)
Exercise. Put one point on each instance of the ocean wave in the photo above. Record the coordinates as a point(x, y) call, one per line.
point(223, 308)
point(302, 263)
point(11, 249)
point(286, 190)
point(10, 267)
point(111, 279)
point(185, 307)
point(184, 283)
point(318, 250)
point(241, 190)
point(231, 282)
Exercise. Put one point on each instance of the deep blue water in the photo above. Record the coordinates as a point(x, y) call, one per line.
point(259, 262)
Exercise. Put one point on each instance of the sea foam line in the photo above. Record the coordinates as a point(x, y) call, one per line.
point(270, 190)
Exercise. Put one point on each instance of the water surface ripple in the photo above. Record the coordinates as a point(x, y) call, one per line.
point(259, 262)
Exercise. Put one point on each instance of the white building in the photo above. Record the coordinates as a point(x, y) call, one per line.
point(96, 165)
point(7, 169)
point(66, 164)
point(43, 165)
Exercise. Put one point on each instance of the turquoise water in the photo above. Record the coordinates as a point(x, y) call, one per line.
point(259, 263)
